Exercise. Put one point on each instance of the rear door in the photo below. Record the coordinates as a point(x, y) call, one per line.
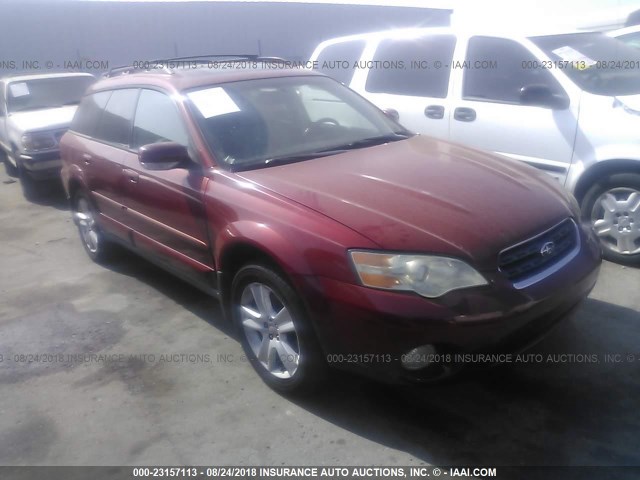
point(487, 113)
point(104, 153)
point(411, 76)
point(165, 207)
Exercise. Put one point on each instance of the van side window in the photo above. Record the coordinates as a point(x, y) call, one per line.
point(115, 123)
point(89, 112)
point(407, 66)
point(496, 69)
point(157, 120)
point(337, 60)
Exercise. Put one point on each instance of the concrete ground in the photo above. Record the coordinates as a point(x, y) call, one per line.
point(174, 389)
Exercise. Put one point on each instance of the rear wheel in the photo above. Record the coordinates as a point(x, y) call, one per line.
point(93, 240)
point(275, 333)
point(613, 208)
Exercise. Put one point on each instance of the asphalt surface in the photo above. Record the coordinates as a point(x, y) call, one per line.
point(125, 365)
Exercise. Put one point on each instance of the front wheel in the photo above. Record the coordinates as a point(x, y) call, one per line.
point(7, 158)
point(30, 188)
point(613, 208)
point(275, 333)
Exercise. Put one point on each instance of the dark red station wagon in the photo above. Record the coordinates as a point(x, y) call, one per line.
point(331, 234)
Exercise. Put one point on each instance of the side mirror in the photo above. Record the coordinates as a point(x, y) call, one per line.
point(163, 156)
point(543, 96)
point(392, 114)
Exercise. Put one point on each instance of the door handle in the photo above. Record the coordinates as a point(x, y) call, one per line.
point(86, 158)
point(131, 175)
point(464, 114)
point(434, 111)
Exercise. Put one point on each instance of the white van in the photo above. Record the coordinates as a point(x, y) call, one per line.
point(565, 103)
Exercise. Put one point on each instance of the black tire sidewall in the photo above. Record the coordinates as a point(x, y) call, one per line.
point(620, 180)
point(28, 184)
point(311, 369)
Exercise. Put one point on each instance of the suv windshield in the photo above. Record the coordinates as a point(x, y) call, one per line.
point(596, 63)
point(46, 92)
point(260, 123)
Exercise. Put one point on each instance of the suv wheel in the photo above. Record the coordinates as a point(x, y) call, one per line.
point(613, 208)
point(93, 240)
point(275, 333)
point(30, 188)
point(8, 166)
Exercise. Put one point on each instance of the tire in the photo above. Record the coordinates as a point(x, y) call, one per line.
point(30, 188)
point(283, 350)
point(8, 166)
point(93, 240)
point(612, 206)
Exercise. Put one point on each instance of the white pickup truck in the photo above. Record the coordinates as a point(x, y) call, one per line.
point(567, 103)
point(35, 111)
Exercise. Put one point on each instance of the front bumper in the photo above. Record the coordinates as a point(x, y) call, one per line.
point(42, 165)
point(370, 330)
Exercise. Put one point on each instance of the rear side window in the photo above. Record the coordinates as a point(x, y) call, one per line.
point(157, 120)
point(498, 68)
point(337, 60)
point(408, 66)
point(115, 123)
point(89, 112)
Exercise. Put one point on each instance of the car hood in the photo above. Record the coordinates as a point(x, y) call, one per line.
point(43, 119)
point(425, 195)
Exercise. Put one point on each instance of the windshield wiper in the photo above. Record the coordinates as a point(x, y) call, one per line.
point(369, 142)
point(274, 161)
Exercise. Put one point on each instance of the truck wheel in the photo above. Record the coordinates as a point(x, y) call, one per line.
point(275, 333)
point(612, 205)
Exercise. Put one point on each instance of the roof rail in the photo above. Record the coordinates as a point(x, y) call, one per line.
point(164, 64)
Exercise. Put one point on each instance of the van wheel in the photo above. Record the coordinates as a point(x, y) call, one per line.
point(275, 332)
point(612, 205)
point(93, 240)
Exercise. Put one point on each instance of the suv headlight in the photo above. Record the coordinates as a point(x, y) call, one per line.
point(428, 275)
point(33, 142)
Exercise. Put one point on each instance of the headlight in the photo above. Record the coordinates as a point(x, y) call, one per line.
point(33, 142)
point(428, 275)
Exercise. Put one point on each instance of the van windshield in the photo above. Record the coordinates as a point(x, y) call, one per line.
point(595, 62)
point(35, 94)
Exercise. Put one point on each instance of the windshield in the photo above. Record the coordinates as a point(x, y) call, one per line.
point(259, 123)
point(46, 93)
point(595, 62)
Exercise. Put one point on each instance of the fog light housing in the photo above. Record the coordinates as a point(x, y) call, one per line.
point(419, 358)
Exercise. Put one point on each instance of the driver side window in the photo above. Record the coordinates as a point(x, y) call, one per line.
point(496, 69)
point(157, 120)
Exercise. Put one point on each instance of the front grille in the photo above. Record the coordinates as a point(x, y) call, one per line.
point(539, 253)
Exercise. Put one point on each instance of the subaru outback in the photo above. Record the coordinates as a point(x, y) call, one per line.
point(332, 235)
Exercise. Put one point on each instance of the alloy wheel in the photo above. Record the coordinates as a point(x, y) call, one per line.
point(616, 219)
point(270, 330)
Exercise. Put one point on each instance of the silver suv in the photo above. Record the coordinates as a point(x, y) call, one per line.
point(35, 111)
